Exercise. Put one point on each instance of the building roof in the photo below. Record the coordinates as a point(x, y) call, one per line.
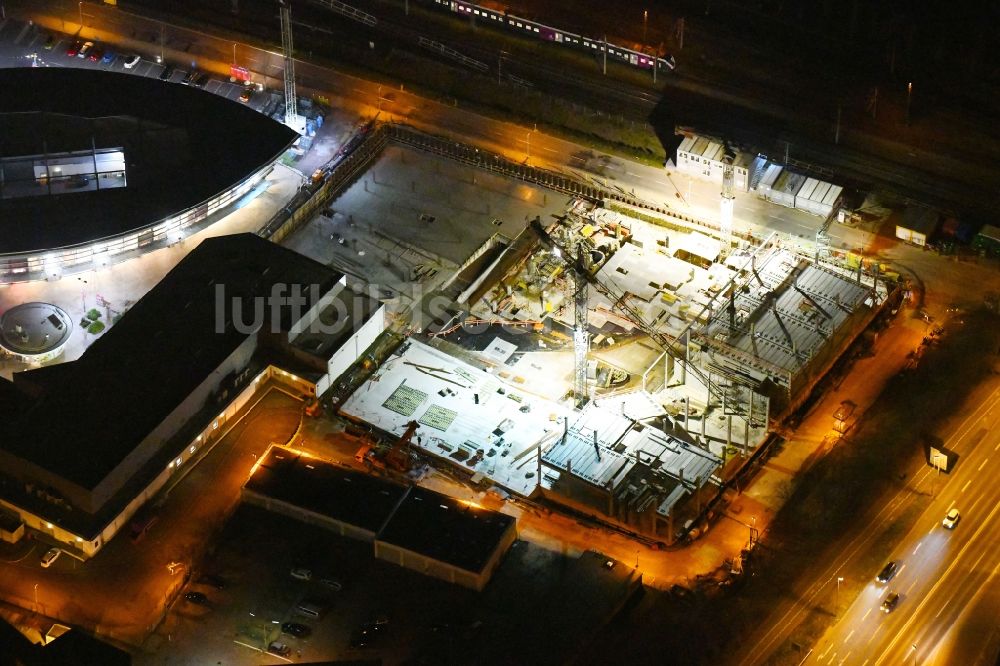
point(181, 145)
point(96, 410)
point(329, 490)
point(606, 444)
point(920, 218)
point(786, 311)
point(446, 529)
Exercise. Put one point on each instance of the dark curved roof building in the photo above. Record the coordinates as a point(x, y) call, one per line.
point(99, 166)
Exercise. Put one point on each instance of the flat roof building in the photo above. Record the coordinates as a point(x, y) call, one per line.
point(96, 437)
point(412, 527)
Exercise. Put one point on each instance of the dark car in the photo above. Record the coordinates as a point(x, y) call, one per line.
point(96, 53)
point(295, 629)
point(189, 77)
point(888, 571)
point(167, 72)
point(367, 634)
point(218, 582)
point(50, 42)
point(196, 598)
point(246, 94)
point(74, 48)
point(200, 80)
point(890, 602)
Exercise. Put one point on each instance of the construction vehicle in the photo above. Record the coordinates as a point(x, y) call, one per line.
point(393, 456)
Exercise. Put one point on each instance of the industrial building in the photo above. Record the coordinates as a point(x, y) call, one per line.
point(918, 225)
point(412, 527)
point(615, 459)
point(778, 184)
point(84, 444)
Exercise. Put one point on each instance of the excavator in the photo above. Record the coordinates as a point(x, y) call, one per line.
point(394, 456)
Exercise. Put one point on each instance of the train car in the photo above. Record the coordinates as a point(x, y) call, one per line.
point(624, 55)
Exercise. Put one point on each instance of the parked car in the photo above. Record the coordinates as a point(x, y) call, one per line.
point(50, 42)
point(279, 648)
point(196, 598)
point(366, 635)
point(142, 523)
point(109, 57)
point(301, 573)
point(84, 50)
point(295, 629)
point(888, 571)
point(189, 77)
point(246, 94)
point(331, 584)
point(951, 519)
point(50, 556)
point(74, 48)
point(200, 80)
point(95, 53)
point(132, 61)
point(890, 602)
point(167, 72)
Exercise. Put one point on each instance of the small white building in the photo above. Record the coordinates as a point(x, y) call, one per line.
point(917, 225)
point(703, 157)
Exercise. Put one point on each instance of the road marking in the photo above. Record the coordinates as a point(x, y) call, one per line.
point(940, 580)
point(966, 485)
point(865, 616)
point(983, 465)
point(849, 637)
point(997, 447)
point(947, 603)
point(918, 547)
point(866, 662)
point(910, 587)
point(874, 633)
point(832, 657)
point(845, 658)
point(828, 648)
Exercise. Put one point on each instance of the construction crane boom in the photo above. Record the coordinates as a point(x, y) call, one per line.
point(287, 51)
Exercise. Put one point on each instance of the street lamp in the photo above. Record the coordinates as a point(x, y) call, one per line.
point(645, 16)
point(36, 597)
point(80, 4)
point(840, 580)
point(909, 98)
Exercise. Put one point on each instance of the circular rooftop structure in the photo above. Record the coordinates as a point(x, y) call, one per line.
point(35, 332)
point(95, 165)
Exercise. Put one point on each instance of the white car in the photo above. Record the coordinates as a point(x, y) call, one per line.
point(49, 557)
point(85, 50)
point(951, 519)
point(132, 61)
point(302, 574)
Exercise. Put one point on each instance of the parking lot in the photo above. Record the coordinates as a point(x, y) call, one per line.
point(30, 45)
point(255, 556)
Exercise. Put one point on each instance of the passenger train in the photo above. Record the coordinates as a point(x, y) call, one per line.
point(540, 31)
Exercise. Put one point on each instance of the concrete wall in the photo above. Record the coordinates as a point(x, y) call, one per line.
point(352, 349)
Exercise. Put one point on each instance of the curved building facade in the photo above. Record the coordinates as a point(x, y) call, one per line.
point(97, 167)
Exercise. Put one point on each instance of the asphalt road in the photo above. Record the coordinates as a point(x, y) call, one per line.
point(943, 573)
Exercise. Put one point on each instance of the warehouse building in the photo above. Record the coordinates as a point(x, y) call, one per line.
point(412, 527)
point(705, 158)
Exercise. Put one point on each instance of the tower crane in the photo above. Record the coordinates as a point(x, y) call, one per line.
point(292, 117)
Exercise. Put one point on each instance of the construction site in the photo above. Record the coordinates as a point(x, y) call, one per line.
point(610, 362)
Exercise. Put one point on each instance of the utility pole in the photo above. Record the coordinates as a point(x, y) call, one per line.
point(680, 34)
point(836, 136)
point(909, 98)
point(645, 17)
point(604, 69)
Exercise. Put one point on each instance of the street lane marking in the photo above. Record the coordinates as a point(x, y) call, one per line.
point(849, 637)
point(845, 658)
point(940, 580)
point(946, 604)
point(828, 648)
point(983, 465)
point(874, 634)
point(865, 616)
point(909, 588)
point(997, 446)
point(966, 485)
point(918, 547)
